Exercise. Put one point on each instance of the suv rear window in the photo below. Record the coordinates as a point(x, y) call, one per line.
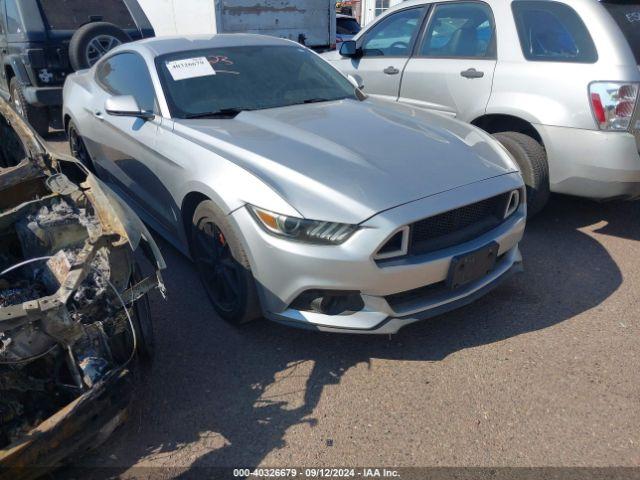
point(72, 14)
point(347, 26)
point(552, 32)
point(627, 16)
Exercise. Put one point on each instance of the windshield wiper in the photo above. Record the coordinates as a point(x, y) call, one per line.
point(222, 113)
point(320, 100)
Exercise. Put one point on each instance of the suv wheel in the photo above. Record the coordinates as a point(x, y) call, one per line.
point(92, 41)
point(37, 117)
point(223, 265)
point(531, 158)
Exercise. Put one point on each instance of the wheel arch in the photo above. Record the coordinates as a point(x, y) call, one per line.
point(9, 73)
point(496, 123)
point(66, 121)
point(13, 68)
point(188, 208)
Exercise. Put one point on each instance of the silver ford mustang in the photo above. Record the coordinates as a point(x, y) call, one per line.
point(299, 198)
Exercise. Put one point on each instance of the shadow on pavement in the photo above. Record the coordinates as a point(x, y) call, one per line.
point(210, 383)
point(615, 219)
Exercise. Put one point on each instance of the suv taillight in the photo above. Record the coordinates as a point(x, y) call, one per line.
point(613, 104)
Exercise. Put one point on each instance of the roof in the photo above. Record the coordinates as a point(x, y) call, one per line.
point(164, 45)
point(492, 3)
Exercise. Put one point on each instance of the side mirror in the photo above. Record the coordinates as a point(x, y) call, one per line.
point(126, 106)
point(349, 48)
point(356, 81)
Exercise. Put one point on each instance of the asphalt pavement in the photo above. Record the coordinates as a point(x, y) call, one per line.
point(544, 371)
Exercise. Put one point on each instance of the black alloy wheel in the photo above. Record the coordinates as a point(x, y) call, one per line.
point(219, 270)
point(79, 149)
point(223, 265)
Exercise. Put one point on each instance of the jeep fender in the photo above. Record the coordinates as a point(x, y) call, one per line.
point(16, 65)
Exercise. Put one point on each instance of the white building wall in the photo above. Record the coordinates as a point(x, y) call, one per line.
point(185, 17)
point(313, 21)
point(370, 12)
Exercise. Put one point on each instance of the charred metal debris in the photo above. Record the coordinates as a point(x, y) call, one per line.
point(73, 307)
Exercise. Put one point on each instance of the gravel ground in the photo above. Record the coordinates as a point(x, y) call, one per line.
point(542, 372)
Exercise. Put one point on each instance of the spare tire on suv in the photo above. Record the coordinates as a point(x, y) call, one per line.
point(92, 41)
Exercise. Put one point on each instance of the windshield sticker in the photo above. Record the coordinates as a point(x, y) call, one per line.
point(633, 17)
point(220, 59)
point(190, 68)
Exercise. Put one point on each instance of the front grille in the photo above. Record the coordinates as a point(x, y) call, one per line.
point(457, 226)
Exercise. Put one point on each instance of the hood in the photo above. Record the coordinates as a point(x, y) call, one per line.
point(348, 160)
point(332, 55)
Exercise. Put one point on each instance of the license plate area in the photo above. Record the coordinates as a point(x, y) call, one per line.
point(472, 266)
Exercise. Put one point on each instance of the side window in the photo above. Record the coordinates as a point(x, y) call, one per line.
point(14, 23)
point(552, 32)
point(394, 35)
point(460, 30)
point(127, 74)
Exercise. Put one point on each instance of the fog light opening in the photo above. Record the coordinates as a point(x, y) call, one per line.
point(329, 302)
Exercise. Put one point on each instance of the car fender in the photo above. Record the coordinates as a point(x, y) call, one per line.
point(19, 71)
point(247, 189)
point(535, 109)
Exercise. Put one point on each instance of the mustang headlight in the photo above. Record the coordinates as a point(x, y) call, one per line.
point(302, 230)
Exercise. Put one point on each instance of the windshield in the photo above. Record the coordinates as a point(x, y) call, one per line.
point(627, 16)
point(214, 80)
point(72, 14)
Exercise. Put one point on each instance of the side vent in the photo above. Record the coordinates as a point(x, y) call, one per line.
point(512, 204)
point(396, 246)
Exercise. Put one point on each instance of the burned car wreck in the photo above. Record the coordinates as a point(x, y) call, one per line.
point(74, 314)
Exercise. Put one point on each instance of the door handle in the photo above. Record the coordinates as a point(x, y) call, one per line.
point(391, 71)
point(98, 115)
point(472, 73)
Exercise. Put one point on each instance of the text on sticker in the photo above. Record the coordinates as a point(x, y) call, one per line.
point(190, 68)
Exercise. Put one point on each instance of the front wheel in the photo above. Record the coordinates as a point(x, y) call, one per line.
point(141, 316)
point(37, 117)
point(531, 158)
point(223, 265)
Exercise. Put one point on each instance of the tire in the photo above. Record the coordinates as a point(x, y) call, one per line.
point(223, 265)
point(92, 41)
point(531, 157)
point(141, 316)
point(37, 117)
point(78, 148)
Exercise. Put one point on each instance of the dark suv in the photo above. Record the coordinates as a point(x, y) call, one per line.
point(41, 41)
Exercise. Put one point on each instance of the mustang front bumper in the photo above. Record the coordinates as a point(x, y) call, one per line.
point(394, 294)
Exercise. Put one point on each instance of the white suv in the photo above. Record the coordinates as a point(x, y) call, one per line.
point(555, 81)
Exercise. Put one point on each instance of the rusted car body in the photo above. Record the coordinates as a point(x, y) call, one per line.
point(74, 314)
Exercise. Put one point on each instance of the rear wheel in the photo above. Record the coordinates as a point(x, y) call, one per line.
point(223, 265)
point(79, 149)
point(531, 158)
point(37, 117)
